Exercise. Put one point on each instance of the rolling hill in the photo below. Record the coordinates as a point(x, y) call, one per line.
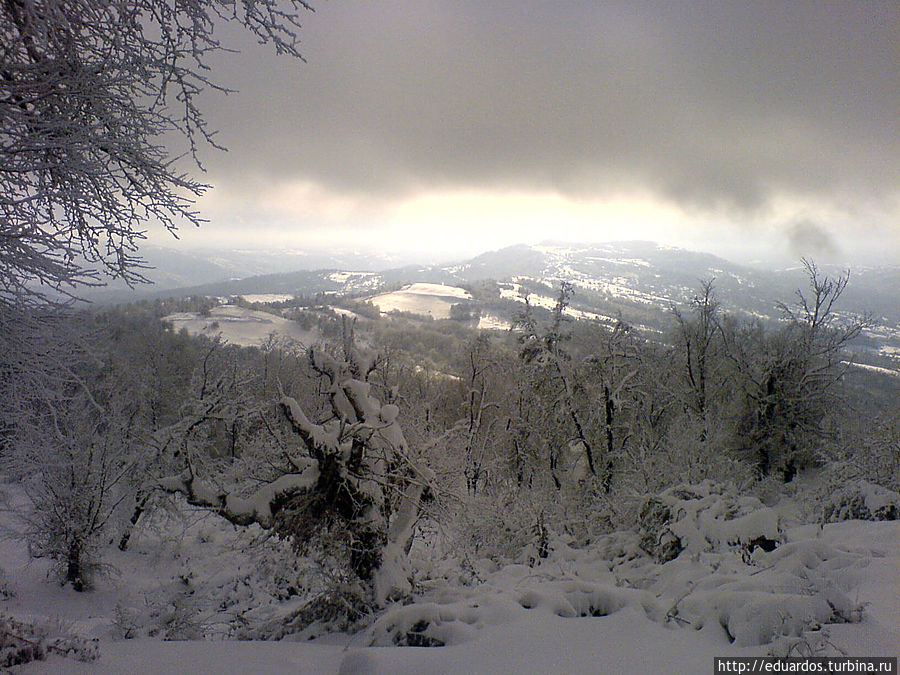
point(637, 281)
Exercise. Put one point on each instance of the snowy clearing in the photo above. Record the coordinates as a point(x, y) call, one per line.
point(344, 277)
point(874, 369)
point(433, 300)
point(515, 293)
point(491, 322)
point(266, 298)
point(439, 290)
point(240, 326)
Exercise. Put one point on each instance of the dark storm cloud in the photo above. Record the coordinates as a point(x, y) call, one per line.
point(808, 239)
point(709, 103)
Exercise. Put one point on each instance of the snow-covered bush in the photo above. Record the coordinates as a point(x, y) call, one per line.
point(212, 580)
point(701, 517)
point(657, 538)
point(466, 536)
point(436, 624)
point(497, 525)
point(861, 500)
point(773, 597)
point(798, 587)
point(22, 642)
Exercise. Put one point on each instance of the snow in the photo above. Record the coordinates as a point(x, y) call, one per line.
point(152, 657)
point(491, 322)
point(433, 300)
point(340, 311)
point(319, 436)
point(626, 642)
point(267, 298)
point(874, 369)
point(257, 507)
point(706, 520)
point(260, 504)
point(240, 326)
point(599, 608)
point(861, 499)
point(343, 277)
point(439, 290)
point(515, 293)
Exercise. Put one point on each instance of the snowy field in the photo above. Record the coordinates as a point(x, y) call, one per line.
point(240, 326)
point(514, 292)
point(826, 589)
point(874, 369)
point(432, 300)
point(491, 322)
point(267, 298)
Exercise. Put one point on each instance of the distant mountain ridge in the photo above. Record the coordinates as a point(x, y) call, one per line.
point(637, 280)
point(177, 269)
point(648, 267)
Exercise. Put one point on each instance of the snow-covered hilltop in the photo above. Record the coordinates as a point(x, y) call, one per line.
point(637, 281)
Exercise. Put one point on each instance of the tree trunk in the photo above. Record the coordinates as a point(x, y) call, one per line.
point(132, 522)
point(74, 569)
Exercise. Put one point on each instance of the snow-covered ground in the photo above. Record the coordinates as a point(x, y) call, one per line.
point(266, 298)
point(433, 300)
point(599, 608)
point(491, 322)
point(344, 277)
point(874, 369)
point(514, 292)
point(439, 290)
point(240, 326)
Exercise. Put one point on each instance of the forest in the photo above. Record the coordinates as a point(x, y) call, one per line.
point(364, 462)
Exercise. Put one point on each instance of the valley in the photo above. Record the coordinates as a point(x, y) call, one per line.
point(638, 282)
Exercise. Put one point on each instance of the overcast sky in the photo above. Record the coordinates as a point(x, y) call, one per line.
point(452, 127)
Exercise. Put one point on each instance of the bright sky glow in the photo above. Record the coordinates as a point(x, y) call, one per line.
point(744, 129)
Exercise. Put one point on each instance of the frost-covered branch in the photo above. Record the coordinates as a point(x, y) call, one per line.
point(258, 507)
point(88, 92)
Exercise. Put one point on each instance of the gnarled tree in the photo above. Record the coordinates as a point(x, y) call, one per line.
point(355, 477)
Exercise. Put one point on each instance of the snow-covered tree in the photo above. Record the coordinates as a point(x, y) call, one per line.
point(72, 447)
point(484, 427)
point(790, 376)
point(696, 340)
point(353, 477)
point(92, 95)
point(551, 373)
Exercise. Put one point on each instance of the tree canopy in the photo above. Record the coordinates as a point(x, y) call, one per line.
point(93, 94)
